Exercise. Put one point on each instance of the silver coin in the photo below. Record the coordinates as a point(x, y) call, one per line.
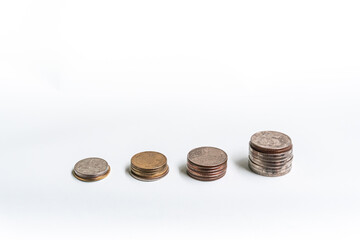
point(272, 160)
point(91, 168)
point(207, 157)
point(269, 173)
point(261, 166)
point(270, 165)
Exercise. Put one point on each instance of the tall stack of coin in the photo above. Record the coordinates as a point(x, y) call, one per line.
point(270, 153)
point(206, 163)
point(149, 166)
point(91, 169)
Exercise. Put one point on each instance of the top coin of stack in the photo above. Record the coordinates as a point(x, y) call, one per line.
point(206, 163)
point(91, 169)
point(270, 153)
point(149, 166)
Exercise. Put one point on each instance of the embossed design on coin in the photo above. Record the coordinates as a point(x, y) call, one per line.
point(207, 156)
point(91, 169)
point(270, 141)
point(270, 153)
point(206, 163)
point(149, 166)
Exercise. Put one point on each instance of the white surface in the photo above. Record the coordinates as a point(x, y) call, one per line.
point(113, 78)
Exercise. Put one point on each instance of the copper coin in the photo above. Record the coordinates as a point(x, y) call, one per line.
point(206, 178)
point(200, 169)
point(205, 174)
point(91, 169)
point(270, 142)
point(206, 163)
point(274, 156)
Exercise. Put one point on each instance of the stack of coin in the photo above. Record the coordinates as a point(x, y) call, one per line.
point(149, 166)
point(91, 169)
point(206, 163)
point(270, 153)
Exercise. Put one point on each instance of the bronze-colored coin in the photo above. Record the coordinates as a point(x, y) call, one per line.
point(91, 169)
point(206, 178)
point(148, 160)
point(205, 174)
point(149, 171)
point(154, 174)
point(200, 169)
point(91, 179)
point(270, 142)
point(149, 166)
point(207, 157)
point(141, 177)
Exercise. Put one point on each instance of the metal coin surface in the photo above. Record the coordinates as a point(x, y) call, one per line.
point(148, 160)
point(207, 156)
point(270, 153)
point(148, 166)
point(269, 156)
point(201, 169)
point(205, 178)
point(270, 141)
point(269, 164)
point(269, 173)
point(205, 174)
point(141, 177)
point(91, 169)
point(270, 168)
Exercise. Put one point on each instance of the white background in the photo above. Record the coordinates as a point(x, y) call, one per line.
point(114, 78)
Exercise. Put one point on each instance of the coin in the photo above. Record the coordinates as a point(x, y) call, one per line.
point(149, 166)
point(91, 169)
point(207, 156)
point(206, 178)
point(269, 173)
point(206, 163)
point(270, 153)
point(270, 142)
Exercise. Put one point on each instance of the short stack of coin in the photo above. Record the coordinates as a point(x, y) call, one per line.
point(149, 166)
point(91, 169)
point(270, 153)
point(206, 163)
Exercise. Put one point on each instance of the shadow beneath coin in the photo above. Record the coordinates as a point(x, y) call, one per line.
point(127, 171)
point(243, 163)
point(182, 170)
